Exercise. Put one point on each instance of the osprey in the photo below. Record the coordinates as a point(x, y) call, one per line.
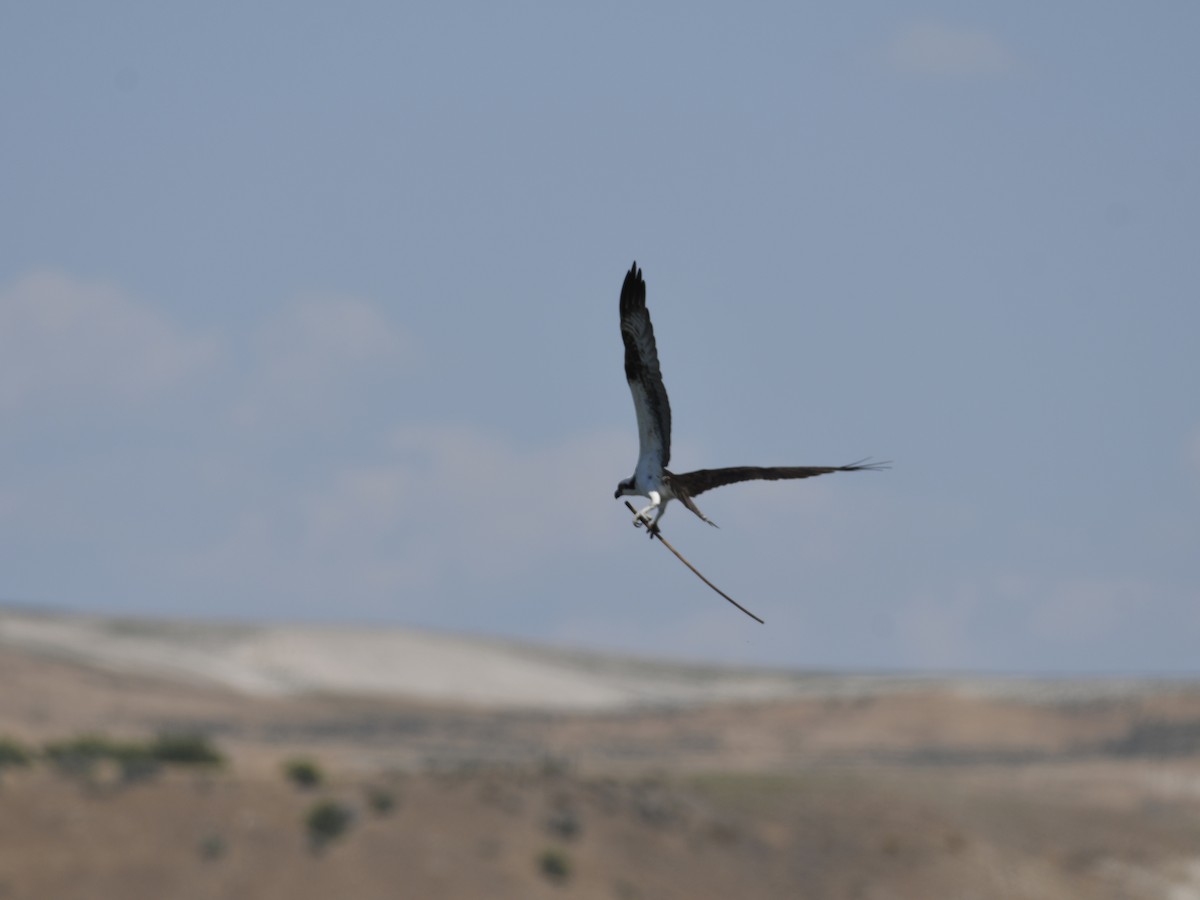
point(651, 478)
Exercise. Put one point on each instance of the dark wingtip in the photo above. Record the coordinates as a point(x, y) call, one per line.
point(633, 291)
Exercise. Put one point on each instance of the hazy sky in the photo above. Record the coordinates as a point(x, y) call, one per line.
point(310, 311)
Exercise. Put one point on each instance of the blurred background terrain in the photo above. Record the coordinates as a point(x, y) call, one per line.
point(516, 770)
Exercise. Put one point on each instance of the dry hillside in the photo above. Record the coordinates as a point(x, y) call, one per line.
point(615, 779)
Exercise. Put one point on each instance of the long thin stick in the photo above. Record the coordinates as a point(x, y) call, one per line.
point(658, 534)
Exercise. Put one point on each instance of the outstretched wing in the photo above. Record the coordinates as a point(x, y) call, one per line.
point(706, 479)
point(644, 377)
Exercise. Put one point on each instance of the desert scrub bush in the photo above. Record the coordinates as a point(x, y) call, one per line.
point(554, 864)
point(76, 756)
point(14, 753)
point(80, 756)
point(326, 821)
point(564, 822)
point(134, 760)
point(182, 749)
point(380, 801)
point(212, 847)
point(303, 772)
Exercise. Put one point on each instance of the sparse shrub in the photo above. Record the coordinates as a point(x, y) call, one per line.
point(79, 756)
point(14, 753)
point(564, 823)
point(303, 772)
point(212, 847)
point(135, 762)
point(184, 749)
point(555, 865)
point(381, 801)
point(76, 756)
point(326, 821)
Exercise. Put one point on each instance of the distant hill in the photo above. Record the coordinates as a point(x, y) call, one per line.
point(294, 659)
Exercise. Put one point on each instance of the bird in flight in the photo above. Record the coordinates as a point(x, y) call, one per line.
point(651, 478)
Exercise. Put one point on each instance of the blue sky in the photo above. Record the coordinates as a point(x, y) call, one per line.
point(311, 313)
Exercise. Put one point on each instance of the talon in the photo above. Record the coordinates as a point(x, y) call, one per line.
point(651, 528)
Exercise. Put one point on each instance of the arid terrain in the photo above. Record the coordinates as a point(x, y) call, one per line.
point(467, 767)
